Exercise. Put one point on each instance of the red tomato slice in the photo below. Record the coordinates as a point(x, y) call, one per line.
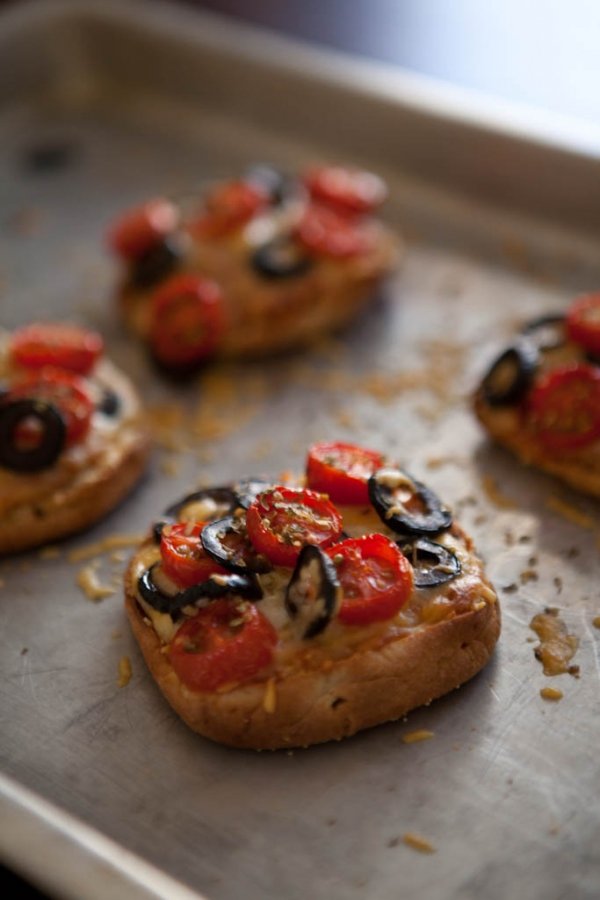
point(53, 344)
point(187, 320)
point(227, 642)
point(183, 557)
point(229, 206)
point(326, 232)
point(563, 407)
point(282, 520)
point(350, 191)
point(376, 578)
point(66, 390)
point(342, 470)
point(140, 229)
point(583, 322)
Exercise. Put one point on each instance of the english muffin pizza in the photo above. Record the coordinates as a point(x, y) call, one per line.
point(71, 439)
point(541, 396)
point(258, 264)
point(277, 614)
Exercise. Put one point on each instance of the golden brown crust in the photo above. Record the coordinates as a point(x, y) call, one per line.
point(579, 469)
point(85, 501)
point(369, 687)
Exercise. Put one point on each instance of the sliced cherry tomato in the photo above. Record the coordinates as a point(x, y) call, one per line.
point(282, 520)
point(563, 407)
point(583, 322)
point(229, 206)
point(376, 578)
point(139, 230)
point(187, 320)
point(342, 470)
point(67, 391)
point(183, 557)
point(55, 344)
point(227, 642)
point(350, 191)
point(326, 232)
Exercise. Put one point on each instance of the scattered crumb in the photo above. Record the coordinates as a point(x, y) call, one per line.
point(510, 588)
point(549, 693)
point(416, 842)
point(528, 575)
point(596, 622)
point(24, 651)
point(331, 822)
point(116, 634)
point(49, 552)
point(558, 584)
point(524, 539)
point(570, 512)
point(344, 419)
point(171, 466)
point(393, 842)
point(125, 671)
point(554, 829)
point(557, 647)
point(261, 450)
point(87, 580)
point(25, 222)
point(414, 737)
point(494, 494)
point(572, 552)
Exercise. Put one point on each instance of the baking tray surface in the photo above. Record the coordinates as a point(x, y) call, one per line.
point(504, 790)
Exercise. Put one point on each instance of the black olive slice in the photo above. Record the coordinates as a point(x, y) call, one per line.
point(432, 563)
point(278, 185)
point(224, 497)
point(511, 374)
point(214, 587)
point(248, 489)
point(546, 332)
point(226, 541)
point(110, 402)
point(157, 263)
point(280, 258)
point(406, 505)
point(49, 442)
point(313, 595)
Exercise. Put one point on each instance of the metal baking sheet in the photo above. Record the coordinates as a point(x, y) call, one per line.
point(103, 105)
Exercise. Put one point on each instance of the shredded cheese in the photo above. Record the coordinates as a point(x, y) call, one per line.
point(414, 737)
point(125, 671)
point(112, 542)
point(549, 693)
point(87, 580)
point(417, 842)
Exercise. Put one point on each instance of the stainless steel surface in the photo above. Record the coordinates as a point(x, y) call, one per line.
point(506, 790)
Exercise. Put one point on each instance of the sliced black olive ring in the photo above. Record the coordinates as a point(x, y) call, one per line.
point(49, 442)
point(248, 489)
point(546, 332)
point(511, 374)
point(430, 519)
point(157, 263)
point(110, 402)
point(281, 258)
point(222, 496)
point(226, 541)
point(278, 185)
point(313, 594)
point(432, 563)
point(214, 587)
